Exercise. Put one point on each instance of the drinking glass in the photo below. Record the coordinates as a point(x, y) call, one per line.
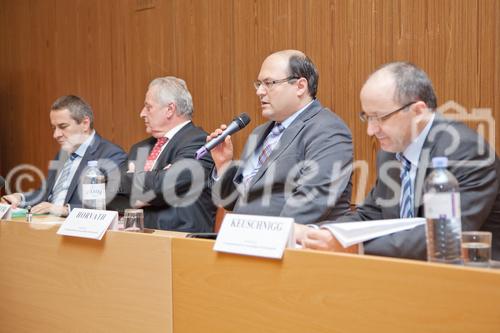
point(133, 220)
point(476, 248)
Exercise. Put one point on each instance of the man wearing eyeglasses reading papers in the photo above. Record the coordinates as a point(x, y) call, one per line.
point(298, 164)
point(398, 104)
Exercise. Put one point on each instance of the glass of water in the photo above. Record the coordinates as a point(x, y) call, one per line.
point(476, 248)
point(133, 220)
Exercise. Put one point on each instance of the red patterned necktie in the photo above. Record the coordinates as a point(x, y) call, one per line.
point(153, 155)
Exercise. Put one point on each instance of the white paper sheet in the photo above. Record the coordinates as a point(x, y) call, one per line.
point(350, 233)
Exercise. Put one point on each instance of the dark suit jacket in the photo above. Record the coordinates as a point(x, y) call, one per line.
point(478, 177)
point(178, 199)
point(307, 176)
point(111, 159)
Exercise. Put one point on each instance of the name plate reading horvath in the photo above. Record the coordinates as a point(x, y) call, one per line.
point(261, 236)
point(87, 223)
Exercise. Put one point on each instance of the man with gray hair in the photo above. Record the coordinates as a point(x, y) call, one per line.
point(399, 105)
point(162, 177)
point(72, 120)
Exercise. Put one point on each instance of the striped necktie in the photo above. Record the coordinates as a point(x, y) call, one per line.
point(267, 148)
point(406, 203)
point(61, 186)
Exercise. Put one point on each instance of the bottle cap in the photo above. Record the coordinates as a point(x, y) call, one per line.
point(440, 162)
point(92, 163)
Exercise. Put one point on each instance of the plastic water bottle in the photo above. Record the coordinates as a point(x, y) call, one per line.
point(442, 212)
point(94, 188)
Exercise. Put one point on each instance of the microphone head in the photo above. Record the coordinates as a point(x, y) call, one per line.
point(242, 120)
point(2, 182)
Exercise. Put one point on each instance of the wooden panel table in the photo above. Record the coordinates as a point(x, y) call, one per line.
point(327, 292)
point(154, 282)
point(50, 283)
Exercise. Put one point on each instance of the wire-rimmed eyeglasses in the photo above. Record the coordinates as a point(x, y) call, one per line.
point(268, 84)
point(377, 119)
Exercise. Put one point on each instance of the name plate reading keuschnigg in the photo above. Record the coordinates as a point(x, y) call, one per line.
point(5, 211)
point(87, 223)
point(254, 235)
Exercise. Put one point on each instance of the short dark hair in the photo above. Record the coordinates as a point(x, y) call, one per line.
point(412, 84)
point(77, 107)
point(302, 66)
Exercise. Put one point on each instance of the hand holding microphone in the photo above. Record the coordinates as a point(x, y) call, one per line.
point(222, 154)
point(220, 142)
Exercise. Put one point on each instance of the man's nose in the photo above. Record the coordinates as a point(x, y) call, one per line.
point(372, 128)
point(261, 91)
point(57, 133)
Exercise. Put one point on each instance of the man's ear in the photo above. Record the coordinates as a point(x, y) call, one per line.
point(86, 123)
point(303, 87)
point(170, 110)
point(420, 107)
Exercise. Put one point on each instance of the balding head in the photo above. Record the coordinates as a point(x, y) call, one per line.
point(287, 81)
point(396, 101)
point(381, 82)
point(408, 82)
point(300, 66)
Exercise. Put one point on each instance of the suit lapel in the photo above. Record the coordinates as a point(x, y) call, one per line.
point(395, 175)
point(166, 156)
point(141, 153)
point(55, 168)
point(287, 138)
point(254, 142)
point(424, 163)
point(428, 151)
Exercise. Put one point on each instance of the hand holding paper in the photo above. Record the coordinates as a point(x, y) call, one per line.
point(49, 208)
point(321, 239)
point(338, 236)
point(13, 199)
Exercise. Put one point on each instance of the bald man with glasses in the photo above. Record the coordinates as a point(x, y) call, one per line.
point(299, 163)
point(399, 110)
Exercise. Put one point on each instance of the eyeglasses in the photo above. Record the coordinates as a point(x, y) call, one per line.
point(377, 119)
point(269, 84)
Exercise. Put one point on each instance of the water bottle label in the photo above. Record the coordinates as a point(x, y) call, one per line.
point(438, 205)
point(94, 191)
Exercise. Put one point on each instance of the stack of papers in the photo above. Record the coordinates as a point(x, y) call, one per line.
point(350, 233)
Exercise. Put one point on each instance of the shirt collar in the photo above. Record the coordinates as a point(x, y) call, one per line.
point(412, 152)
point(170, 134)
point(294, 116)
point(80, 151)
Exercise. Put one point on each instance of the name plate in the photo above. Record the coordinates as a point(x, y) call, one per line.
point(254, 235)
point(5, 211)
point(87, 223)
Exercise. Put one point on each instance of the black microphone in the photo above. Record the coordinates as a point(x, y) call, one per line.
point(2, 182)
point(238, 123)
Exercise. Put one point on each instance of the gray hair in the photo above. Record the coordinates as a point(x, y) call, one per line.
point(171, 89)
point(412, 84)
point(77, 107)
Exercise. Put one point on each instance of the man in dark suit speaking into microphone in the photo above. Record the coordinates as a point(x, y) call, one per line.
point(299, 163)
